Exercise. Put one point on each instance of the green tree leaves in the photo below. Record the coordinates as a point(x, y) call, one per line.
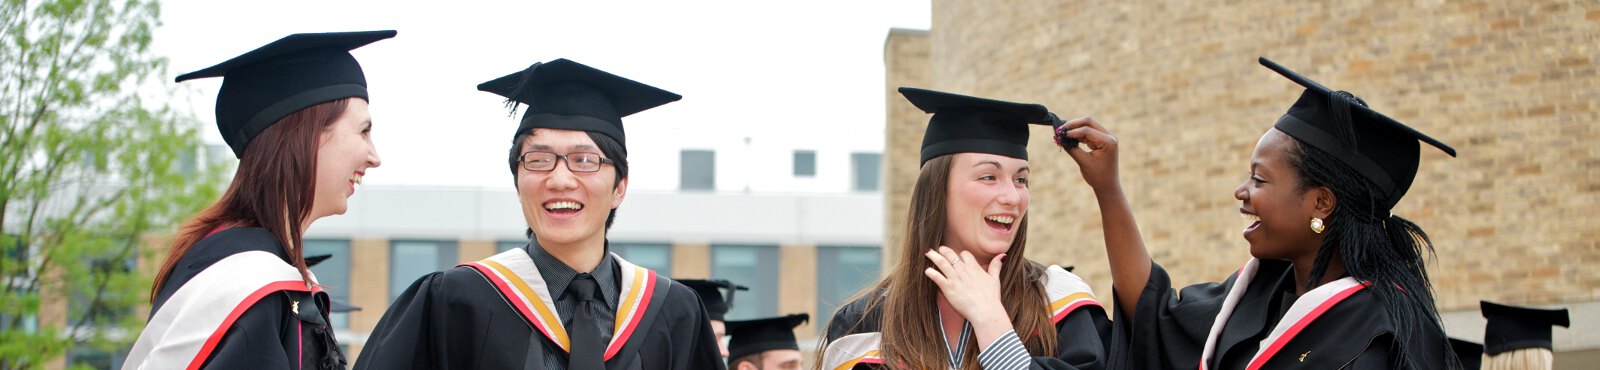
point(91, 175)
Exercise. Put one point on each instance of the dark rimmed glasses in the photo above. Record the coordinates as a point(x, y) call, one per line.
point(576, 162)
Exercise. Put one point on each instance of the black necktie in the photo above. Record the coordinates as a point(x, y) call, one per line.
point(587, 349)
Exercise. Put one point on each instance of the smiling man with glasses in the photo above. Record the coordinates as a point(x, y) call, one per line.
point(564, 301)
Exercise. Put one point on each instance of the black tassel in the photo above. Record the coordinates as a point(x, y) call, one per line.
point(516, 90)
point(332, 358)
point(1339, 106)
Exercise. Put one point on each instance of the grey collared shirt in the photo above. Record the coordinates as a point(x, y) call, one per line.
point(558, 275)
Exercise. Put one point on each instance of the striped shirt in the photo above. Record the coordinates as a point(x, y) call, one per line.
point(1006, 352)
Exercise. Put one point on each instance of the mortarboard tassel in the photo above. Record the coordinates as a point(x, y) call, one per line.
point(516, 90)
point(1339, 106)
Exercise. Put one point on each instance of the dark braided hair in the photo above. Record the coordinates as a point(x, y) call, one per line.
point(1375, 245)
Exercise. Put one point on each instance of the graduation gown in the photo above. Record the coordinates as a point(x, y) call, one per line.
point(1339, 325)
point(234, 302)
point(497, 314)
point(1081, 330)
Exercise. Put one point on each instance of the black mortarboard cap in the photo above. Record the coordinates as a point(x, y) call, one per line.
point(710, 292)
point(1470, 354)
point(969, 124)
point(1385, 151)
point(748, 337)
point(313, 260)
point(333, 306)
point(298, 71)
point(337, 306)
point(564, 94)
point(1512, 328)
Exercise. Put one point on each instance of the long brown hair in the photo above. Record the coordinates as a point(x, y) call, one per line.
point(910, 319)
point(272, 189)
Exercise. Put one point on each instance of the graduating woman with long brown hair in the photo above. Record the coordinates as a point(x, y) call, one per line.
point(962, 295)
point(235, 292)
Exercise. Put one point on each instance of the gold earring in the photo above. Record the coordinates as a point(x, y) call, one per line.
point(1316, 225)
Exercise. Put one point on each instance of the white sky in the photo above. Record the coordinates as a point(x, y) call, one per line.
point(774, 71)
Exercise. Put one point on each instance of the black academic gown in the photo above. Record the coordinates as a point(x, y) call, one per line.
point(454, 319)
point(1079, 336)
point(1169, 328)
point(269, 335)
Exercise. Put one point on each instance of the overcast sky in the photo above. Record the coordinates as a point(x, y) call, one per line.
point(772, 70)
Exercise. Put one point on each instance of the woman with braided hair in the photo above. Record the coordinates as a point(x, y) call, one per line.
point(1337, 280)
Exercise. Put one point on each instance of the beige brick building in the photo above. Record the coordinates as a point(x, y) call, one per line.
point(800, 253)
point(1512, 85)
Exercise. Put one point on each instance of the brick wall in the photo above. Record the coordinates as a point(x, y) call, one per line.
point(1512, 85)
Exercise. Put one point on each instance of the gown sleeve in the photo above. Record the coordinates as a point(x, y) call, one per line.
point(1168, 328)
point(846, 319)
point(408, 336)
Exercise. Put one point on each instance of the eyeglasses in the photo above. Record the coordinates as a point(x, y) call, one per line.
point(576, 162)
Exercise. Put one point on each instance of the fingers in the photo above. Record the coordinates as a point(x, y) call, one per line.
point(949, 262)
point(945, 265)
point(938, 279)
point(951, 256)
point(1096, 140)
point(1089, 122)
point(995, 265)
point(1090, 130)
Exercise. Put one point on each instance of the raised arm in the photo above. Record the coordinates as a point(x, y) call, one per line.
point(1130, 262)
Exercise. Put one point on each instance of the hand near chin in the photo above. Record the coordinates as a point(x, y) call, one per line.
point(1097, 162)
point(972, 289)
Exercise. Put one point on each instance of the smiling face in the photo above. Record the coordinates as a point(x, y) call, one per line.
point(1276, 209)
point(344, 153)
point(988, 198)
point(564, 207)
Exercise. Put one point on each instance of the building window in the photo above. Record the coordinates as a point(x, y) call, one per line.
point(333, 274)
point(754, 266)
point(503, 246)
point(409, 260)
point(656, 257)
point(865, 173)
point(841, 272)
point(805, 163)
point(699, 170)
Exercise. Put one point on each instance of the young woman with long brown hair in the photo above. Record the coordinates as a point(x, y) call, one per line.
point(235, 292)
point(963, 296)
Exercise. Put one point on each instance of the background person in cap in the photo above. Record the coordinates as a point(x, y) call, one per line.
point(295, 114)
point(1519, 337)
point(716, 305)
point(963, 296)
point(765, 344)
point(1337, 280)
point(563, 301)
